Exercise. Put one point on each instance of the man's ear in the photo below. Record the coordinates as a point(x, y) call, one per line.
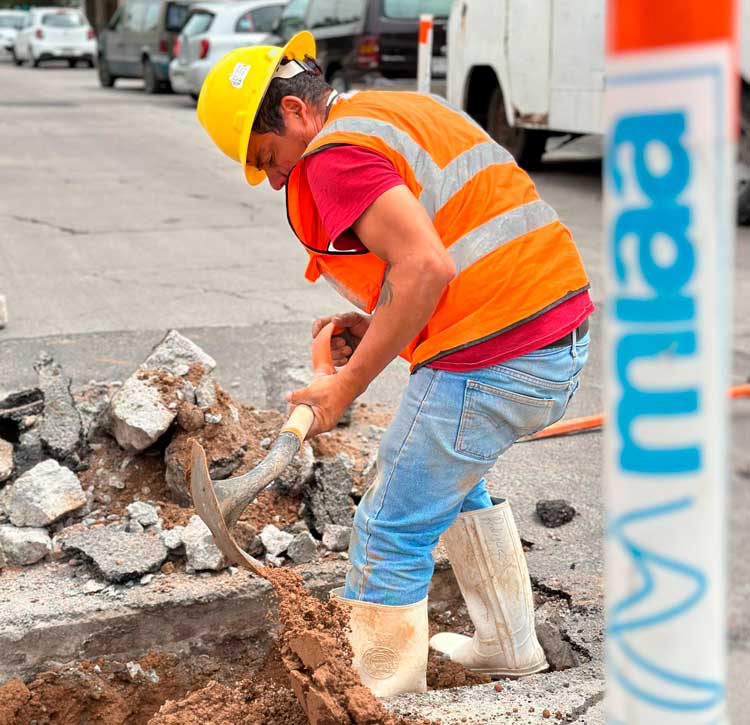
point(293, 107)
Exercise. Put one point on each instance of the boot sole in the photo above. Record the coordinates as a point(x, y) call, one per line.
point(496, 674)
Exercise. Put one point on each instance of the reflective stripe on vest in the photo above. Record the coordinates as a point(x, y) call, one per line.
point(438, 185)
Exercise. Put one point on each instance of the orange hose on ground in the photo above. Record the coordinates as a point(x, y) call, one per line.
point(590, 422)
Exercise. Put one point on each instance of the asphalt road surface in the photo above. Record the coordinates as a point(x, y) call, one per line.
point(119, 220)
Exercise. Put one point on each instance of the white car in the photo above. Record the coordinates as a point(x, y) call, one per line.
point(10, 23)
point(212, 30)
point(55, 34)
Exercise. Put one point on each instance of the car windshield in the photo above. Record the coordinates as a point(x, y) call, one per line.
point(293, 18)
point(62, 20)
point(11, 21)
point(198, 22)
point(412, 9)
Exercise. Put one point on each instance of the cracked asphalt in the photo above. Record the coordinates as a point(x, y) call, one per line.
point(119, 220)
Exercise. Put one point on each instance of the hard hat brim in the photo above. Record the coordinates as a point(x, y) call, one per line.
point(300, 45)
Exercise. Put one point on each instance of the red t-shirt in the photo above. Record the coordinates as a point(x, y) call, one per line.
point(345, 180)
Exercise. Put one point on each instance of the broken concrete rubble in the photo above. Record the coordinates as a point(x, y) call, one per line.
point(275, 541)
point(328, 498)
point(92, 402)
point(303, 548)
point(143, 409)
point(144, 513)
point(118, 556)
point(29, 451)
point(44, 494)
point(6, 460)
point(201, 551)
point(336, 537)
point(61, 428)
point(172, 538)
point(23, 546)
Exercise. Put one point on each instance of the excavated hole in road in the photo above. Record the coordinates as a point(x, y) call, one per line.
point(302, 676)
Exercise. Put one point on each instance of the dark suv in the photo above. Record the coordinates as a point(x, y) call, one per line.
point(386, 49)
point(367, 41)
point(138, 42)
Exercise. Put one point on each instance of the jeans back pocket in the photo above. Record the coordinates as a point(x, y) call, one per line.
point(493, 418)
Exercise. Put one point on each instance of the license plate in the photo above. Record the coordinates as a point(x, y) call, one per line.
point(439, 65)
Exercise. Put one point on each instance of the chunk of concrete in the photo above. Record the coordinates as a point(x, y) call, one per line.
point(61, 429)
point(29, 450)
point(6, 460)
point(118, 556)
point(336, 538)
point(92, 402)
point(302, 549)
point(143, 409)
point(205, 394)
point(24, 546)
point(44, 494)
point(328, 498)
point(144, 513)
point(200, 549)
point(172, 538)
point(275, 541)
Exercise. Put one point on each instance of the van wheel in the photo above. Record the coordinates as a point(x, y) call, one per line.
point(106, 79)
point(526, 145)
point(72, 63)
point(743, 148)
point(150, 82)
point(34, 62)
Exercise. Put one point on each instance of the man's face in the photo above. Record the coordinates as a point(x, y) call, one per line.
point(277, 154)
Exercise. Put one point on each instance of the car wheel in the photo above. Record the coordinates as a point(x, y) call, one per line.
point(150, 82)
point(72, 64)
point(526, 145)
point(16, 59)
point(338, 81)
point(34, 62)
point(106, 79)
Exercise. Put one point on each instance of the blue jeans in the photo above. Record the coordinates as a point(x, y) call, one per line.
point(449, 430)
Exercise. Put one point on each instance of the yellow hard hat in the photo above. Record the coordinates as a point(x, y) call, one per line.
point(234, 89)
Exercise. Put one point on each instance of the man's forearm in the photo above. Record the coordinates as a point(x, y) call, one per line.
point(408, 298)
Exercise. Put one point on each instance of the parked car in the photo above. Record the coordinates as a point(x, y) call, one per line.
point(368, 41)
point(211, 31)
point(138, 41)
point(334, 23)
point(386, 48)
point(11, 21)
point(55, 34)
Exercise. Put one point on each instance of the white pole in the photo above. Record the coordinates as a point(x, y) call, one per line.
point(424, 54)
point(670, 115)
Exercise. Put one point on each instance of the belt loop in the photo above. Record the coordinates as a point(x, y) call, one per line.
point(575, 341)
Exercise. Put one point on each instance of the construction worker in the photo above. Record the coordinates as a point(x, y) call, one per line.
point(420, 219)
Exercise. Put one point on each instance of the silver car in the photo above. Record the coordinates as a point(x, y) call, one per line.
point(212, 30)
point(11, 22)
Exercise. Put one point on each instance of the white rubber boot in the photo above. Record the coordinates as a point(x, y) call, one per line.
point(389, 645)
point(486, 555)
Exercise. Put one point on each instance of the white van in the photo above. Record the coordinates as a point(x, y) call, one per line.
point(530, 69)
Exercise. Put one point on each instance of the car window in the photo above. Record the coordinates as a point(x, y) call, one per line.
point(350, 11)
point(198, 22)
point(135, 14)
point(266, 18)
point(62, 19)
point(293, 18)
point(176, 16)
point(322, 13)
point(11, 21)
point(151, 21)
point(412, 9)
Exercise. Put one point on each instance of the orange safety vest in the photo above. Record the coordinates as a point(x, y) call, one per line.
point(514, 258)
